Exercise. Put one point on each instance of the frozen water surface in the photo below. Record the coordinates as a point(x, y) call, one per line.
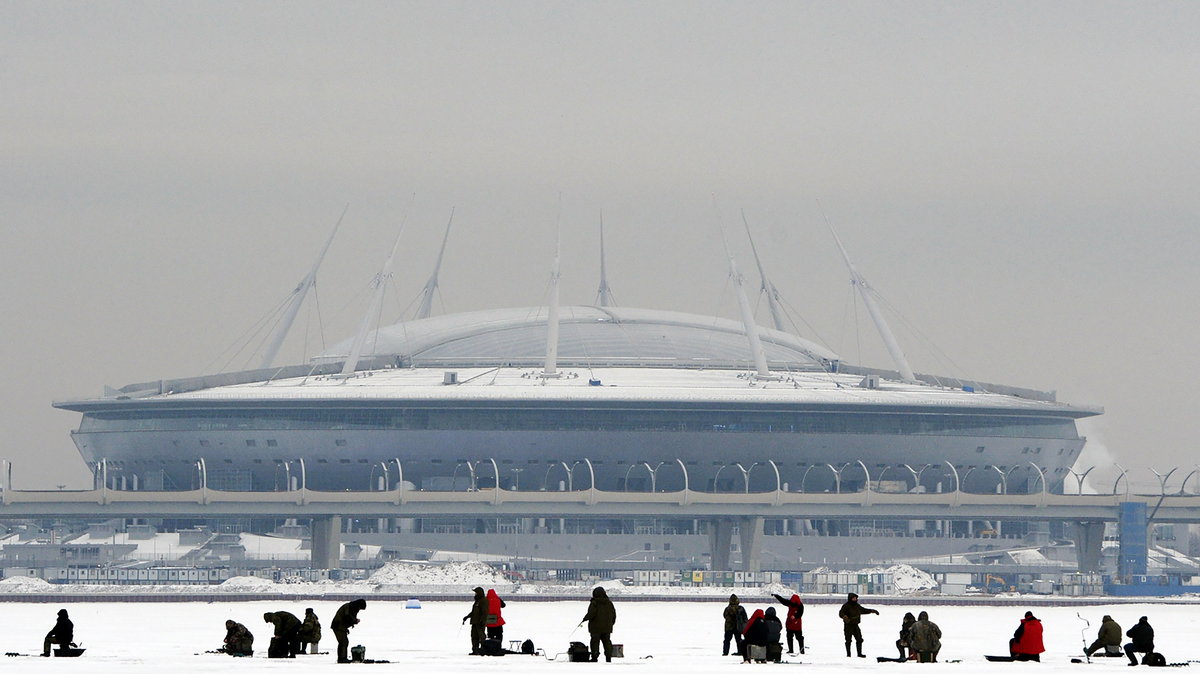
point(681, 636)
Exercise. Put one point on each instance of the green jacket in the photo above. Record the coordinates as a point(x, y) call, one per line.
point(1110, 632)
point(601, 614)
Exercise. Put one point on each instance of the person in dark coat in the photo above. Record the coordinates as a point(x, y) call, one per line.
point(794, 622)
point(1142, 636)
point(238, 639)
point(755, 633)
point(925, 637)
point(601, 617)
point(851, 614)
point(1026, 643)
point(478, 618)
point(1108, 638)
point(285, 642)
point(902, 643)
point(62, 634)
point(310, 631)
point(494, 620)
point(346, 618)
point(735, 622)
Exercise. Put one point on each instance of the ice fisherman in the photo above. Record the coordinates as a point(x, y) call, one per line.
point(925, 638)
point(1142, 636)
point(1108, 638)
point(794, 621)
point(346, 618)
point(851, 614)
point(735, 622)
point(494, 621)
point(601, 617)
point(1026, 643)
point(63, 633)
point(310, 632)
point(285, 641)
point(478, 618)
point(238, 640)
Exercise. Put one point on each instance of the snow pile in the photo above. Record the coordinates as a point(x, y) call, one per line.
point(454, 573)
point(247, 584)
point(19, 584)
point(908, 579)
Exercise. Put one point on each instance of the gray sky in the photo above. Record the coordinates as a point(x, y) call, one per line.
point(1019, 180)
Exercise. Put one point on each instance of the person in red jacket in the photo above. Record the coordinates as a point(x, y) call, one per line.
point(494, 621)
point(1026, 643)
point(793, 624)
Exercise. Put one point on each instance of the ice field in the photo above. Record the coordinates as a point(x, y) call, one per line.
point(680, 636)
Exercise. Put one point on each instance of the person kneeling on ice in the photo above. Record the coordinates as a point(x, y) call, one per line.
point(601, 617)
point(238, 639)
point(346, 618)
point(1026, 643)
point(851, 614)
point(1142, 635)
point(925, 638)
point(310, 631)
point(794, 622)
point(62, 633)
point(285, 642)
point(1108, 638)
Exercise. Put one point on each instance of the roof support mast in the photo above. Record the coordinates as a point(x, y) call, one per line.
point(767, 286)
point(431, 285)
point(867, 293)
point(298, 295)
point(378, 285)
point(604, 296)
point(551, 368)
point(756, 347)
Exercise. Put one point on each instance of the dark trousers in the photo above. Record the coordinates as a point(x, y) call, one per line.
point(51, 640)
point(601, 638)
point(496, 632)
point(1129, 650)
point(477, 636)
point(737, 637)
point(1023, 657)
point(852, 631)
point(343, 641)
point(799, 639)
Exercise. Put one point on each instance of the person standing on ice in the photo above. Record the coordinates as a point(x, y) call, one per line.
point(794, 622)
point(494, 621)
point(346, 618)
point(735, 622)
point(925, 638)
point(601, 617)
point(478, 618)
point(1142, 635)
point(851, 614)
point(1026, 643)
point(62, 633)
point(285, 642)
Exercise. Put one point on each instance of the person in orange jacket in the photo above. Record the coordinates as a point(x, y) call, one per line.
point(494, 621)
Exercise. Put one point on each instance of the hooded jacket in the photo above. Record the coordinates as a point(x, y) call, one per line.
point(494, 604)
point(1110, 632)
point(64, 629)
point(347, 615)
point(310, 631)
point(756, 631)
point(735, 615)
point(1142, 635)
point(479, 609)
point(925, 636)
point(601, 614)
point(1028, 637)
point(794, 623)
point(852, 612)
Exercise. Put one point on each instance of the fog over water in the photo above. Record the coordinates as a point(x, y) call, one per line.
point(1017, 179)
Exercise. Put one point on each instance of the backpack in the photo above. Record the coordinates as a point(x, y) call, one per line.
point(578, 652)
point(1154, 660)
point(741, 620)
point(527, 647)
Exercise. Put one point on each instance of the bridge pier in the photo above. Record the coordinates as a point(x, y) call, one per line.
point(750, 530)
point(326, 542)
point(1088, 539)
point(750, 535)
point(720, 538)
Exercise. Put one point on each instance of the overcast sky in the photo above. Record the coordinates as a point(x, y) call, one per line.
point(1018, 179)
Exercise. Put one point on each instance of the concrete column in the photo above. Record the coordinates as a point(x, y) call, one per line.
point(326, 542)
point(1088, 539)
point(720, 537)
point(750, 530)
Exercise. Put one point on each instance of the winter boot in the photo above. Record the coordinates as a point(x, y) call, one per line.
point(859, 648)
point(847, 649)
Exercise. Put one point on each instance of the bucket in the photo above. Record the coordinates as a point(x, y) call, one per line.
point(358, 653)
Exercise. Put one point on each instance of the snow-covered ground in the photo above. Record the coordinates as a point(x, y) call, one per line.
point(681, 636)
